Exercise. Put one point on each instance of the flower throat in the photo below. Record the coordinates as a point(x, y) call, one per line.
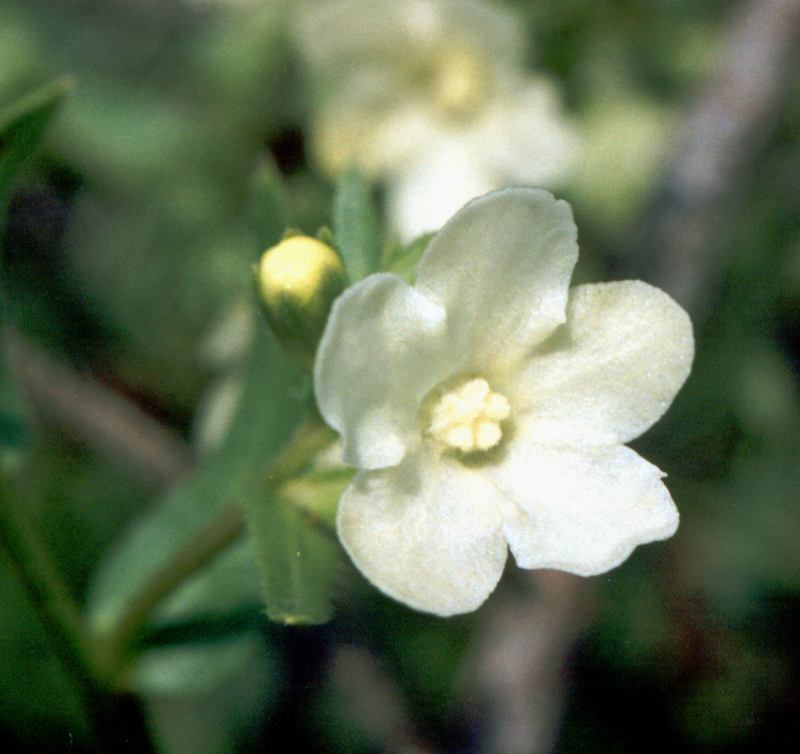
point(468, 417)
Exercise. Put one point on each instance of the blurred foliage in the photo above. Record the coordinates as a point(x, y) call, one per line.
point(130, 232)
point(147, 132)
point(21, 127)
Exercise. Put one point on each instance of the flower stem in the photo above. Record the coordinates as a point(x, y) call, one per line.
point(207, 543)
point(57, 609)
point(115, 721)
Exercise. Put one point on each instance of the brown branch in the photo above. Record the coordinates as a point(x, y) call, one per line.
point(515, 675)
point(95, 414)
point(723, 132)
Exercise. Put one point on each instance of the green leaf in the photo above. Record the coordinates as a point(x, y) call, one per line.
point(355, 226)
point(198, 668)
point(298, 558)
point(270, 409)
point(318, 492)
point(22, 125)
point(403, 260)
point(268, 208)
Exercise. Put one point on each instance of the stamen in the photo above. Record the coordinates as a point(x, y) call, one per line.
point(468, 417)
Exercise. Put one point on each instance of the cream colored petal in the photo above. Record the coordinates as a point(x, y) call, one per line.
point(580, 510)
point(382, 350)
point(528, 139)
point(405, 137)
point(501, 269)
point(426, 532)
point(625, 352)
point(425, 195)
point(336, 33)
point(339, 33)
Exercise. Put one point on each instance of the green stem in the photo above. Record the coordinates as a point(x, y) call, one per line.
point(206, 544)
point(309, 440)
point(59, 612)
point(116, 722)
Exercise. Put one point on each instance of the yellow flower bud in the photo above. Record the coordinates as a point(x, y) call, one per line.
point(297, 281)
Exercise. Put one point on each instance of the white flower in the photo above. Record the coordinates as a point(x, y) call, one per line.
point(488, 404)
point(431, 96)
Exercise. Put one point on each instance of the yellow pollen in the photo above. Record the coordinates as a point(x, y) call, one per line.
point(468, 417)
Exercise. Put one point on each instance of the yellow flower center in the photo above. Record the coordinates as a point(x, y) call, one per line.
point(458, 82)
point(468, 418)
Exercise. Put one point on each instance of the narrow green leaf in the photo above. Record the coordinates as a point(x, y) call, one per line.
point(318, 492)
point(268, 412)
point(403, 260)
point(270, 409)
point(197, 668)
point(268, 207)
point(355, 226)
point(298, 558)
point(22, 125)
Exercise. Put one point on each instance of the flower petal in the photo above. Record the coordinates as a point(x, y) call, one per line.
point(501, 268)
point(430, 191)
point(626, 350)
point(580, 510)
point(383, 349)
point(340, 33)
point(528, 139)
point(426, 532)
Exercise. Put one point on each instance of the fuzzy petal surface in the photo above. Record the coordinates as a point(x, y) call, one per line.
point(426, 532)
point(580, 510)
point(383, 349)
point(501, 268)
point(624, 353)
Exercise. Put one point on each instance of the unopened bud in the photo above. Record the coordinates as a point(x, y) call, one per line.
point(297, 282)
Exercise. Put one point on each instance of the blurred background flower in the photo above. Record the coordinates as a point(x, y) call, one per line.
point(432, 98)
